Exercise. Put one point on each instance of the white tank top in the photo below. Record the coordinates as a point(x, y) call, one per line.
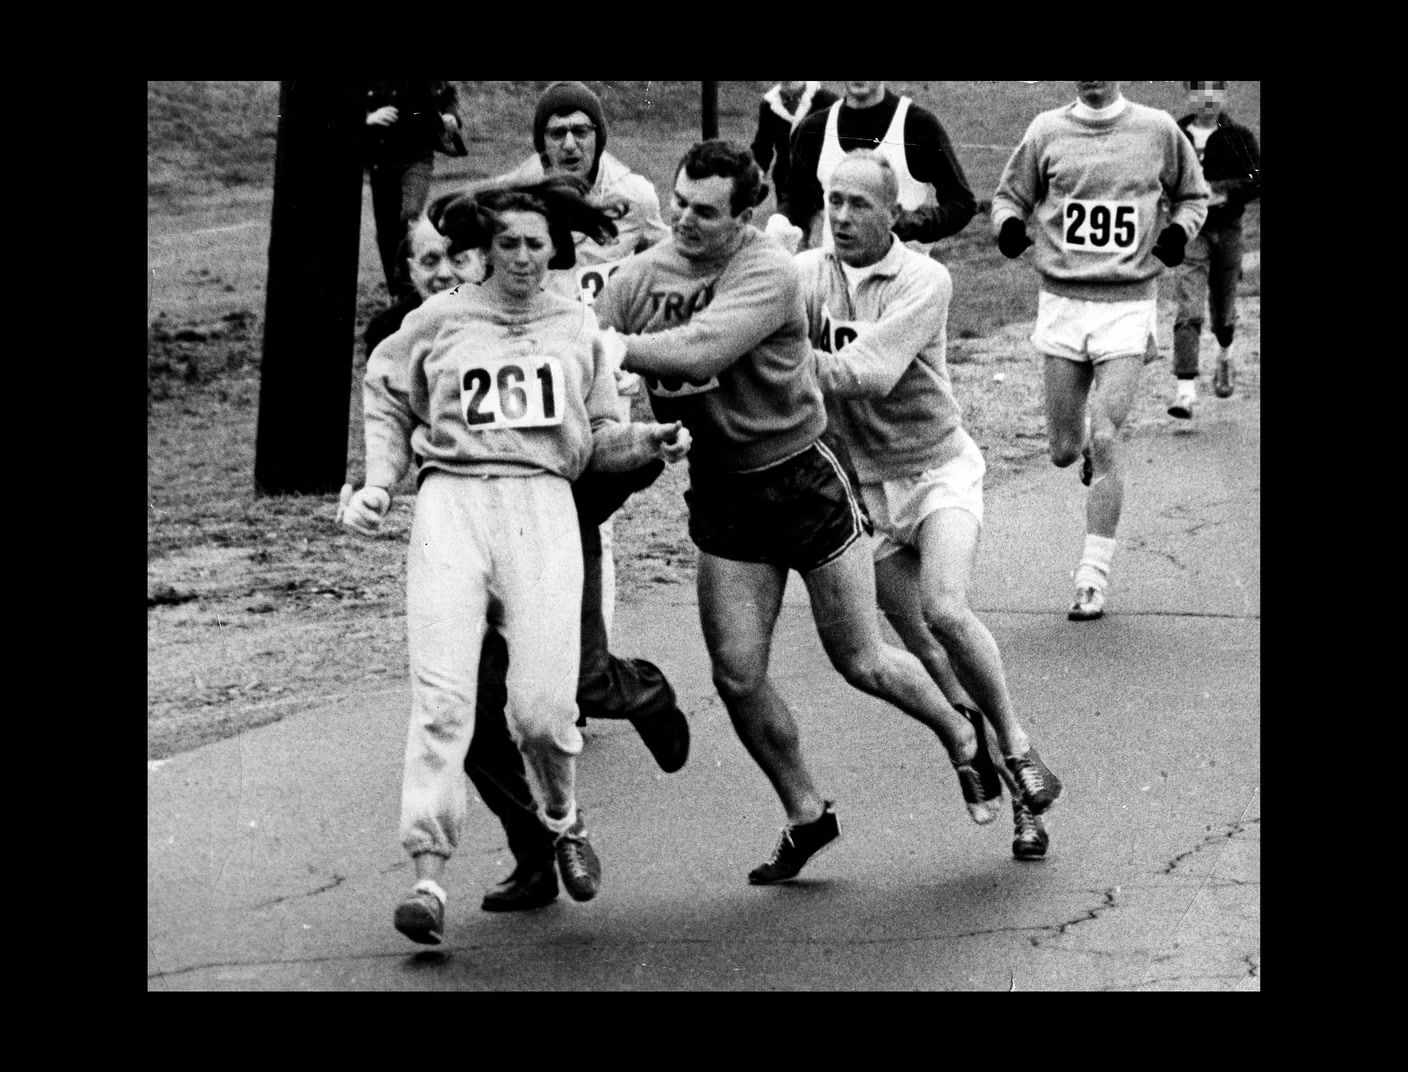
point(913, 193)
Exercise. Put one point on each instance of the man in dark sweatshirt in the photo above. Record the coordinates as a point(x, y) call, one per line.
point(935, 199)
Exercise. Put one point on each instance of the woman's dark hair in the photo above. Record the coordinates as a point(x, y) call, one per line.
point(471, 221)
point(728, 160)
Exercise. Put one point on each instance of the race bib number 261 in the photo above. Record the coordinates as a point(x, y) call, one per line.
point(512, 393)
point(1099, 226)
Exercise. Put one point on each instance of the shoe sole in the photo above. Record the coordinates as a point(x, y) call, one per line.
point(418, 925)
point(1085, 615)
point(1030, 856)
point(516, 906)
point(774, 881)
point(1181, 412)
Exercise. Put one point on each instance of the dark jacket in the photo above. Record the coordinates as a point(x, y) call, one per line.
point(417, 129)
point(1232, 160)
point(772, 138)
point(387, 322)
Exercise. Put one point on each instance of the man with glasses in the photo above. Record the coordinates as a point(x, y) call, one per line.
point(569, 133)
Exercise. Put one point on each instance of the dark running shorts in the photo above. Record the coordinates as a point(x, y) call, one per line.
point(798, 514)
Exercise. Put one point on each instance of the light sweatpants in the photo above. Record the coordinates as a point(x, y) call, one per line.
point(513, 541)
point(608, 574)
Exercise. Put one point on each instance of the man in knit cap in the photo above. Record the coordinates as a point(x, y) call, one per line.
point(569, 134)
point(1093, 174)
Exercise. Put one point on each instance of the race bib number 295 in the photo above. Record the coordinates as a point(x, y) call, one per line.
point(512, 393)
point(1099, 226)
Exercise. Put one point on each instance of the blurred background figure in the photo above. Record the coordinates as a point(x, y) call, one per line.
point(407, 123)
point(782, 108)
point(1212, 264)
point(431, 269)
point(935, 198)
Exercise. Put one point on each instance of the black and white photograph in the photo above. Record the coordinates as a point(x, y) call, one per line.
point(776, 536)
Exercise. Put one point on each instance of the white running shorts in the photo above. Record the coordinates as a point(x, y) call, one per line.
point(899, 507)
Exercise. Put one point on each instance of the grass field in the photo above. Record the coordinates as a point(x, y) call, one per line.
point(259, 607)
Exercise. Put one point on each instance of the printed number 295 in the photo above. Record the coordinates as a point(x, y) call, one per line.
point(1101, 225)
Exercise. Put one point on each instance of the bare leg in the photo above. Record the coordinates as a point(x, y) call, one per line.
point(738, 607)
point(897, 581)
point(948, 542)
point(1111, 398)
point(844, 606)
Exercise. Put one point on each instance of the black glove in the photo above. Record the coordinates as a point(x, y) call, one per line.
point(1012, 239)
point(1169, 247)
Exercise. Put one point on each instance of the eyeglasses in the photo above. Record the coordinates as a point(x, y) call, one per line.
point(579, 132)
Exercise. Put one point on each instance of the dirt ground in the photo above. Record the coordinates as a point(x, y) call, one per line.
point(258, 608)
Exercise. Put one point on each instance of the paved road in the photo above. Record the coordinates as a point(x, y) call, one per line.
point(273, 862)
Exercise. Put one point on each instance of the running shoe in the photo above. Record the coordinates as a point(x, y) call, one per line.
point(1039, 787)
point(528, 886)
point(577, 860)
point(666, 734)
point(1089, 604)
point(798, 844)
point(1029, 837)
point(978, 778)
point(1224, 378)
point(1182, 407)
point(421, 916)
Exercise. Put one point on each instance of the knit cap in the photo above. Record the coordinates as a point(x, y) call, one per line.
point(569, 97)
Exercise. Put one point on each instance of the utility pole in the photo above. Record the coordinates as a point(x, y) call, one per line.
point(710, 109)
point(310, 306)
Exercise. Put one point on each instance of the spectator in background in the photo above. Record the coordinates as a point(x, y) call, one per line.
point(1212, 262)
point(782, 108)
point(934, 195)
point(406, 123)
point(431, 269)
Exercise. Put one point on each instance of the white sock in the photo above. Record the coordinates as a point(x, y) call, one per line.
point(1187, 389)
point(430, 886)
point(561, 826)
point(1095, 561)
point(1225, 354)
